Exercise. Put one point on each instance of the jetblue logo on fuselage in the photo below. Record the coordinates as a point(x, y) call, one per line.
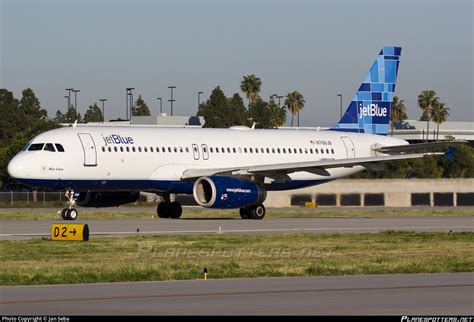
point(372, 110)
point(117, 139)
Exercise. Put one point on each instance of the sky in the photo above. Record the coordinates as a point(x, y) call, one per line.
point(320, 48)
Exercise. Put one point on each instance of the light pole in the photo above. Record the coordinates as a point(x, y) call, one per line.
point(279, 102)
point(340, 96)
point(103, 110)
point(128, 91)
point(75, 101)
point(171, 100)
point(199, 99)
point(161, 105)
point(69, 98)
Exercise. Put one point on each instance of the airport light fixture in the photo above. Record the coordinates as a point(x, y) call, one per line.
point(171, 100)
point(340, 96)
point(199, 98)
point(279, 100)
point(103, 109)
point(69, 98)
point(127, 93)
point(129, 101)
point(161, 105)
point(75, 91)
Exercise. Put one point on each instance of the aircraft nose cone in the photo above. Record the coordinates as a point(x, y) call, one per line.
point(15, 168)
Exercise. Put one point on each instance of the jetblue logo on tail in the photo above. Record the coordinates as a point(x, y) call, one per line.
point(372, 110)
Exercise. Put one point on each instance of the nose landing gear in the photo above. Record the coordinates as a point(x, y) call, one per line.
point(70, 213)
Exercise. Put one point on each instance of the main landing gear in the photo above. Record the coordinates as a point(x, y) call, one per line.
point(168, 209)
point(70, 213)
point(253, 212)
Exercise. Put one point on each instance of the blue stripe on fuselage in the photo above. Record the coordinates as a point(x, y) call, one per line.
point(180, 187)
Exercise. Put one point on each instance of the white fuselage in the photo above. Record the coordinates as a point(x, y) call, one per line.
point(147, 158)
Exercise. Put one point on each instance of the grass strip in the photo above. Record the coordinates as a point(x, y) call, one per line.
point(153, 258)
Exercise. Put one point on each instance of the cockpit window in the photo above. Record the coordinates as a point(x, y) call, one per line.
point(49, 147)
point(59, 147)
point(36, 147)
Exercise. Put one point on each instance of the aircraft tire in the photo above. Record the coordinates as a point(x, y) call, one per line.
point(257, 212)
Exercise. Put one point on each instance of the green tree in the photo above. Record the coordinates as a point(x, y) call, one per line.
point(237, 111)
point(277, 114)
point(30, 106)
point(259, 112)
point(439, 114)
point(69, 117)
point(214, 110)
point(426, 100)
point(140, 108)
point(10, 117)
point(93, 114)
point(398, 112)
point(294, 103)
point(251, 86)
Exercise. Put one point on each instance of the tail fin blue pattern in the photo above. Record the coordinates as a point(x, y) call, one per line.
point(369, 111)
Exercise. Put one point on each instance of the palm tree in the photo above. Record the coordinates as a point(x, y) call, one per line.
point(439, 115)
point(277, 115)
point(426, 100)
point(251, 87)
point(398, 113)
point(294, 102)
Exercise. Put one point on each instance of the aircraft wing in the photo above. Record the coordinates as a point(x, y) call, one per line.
point(418, 146)
point(281, 170)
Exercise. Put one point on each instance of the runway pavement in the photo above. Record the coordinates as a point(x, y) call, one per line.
point(26, 229)
point(420, 294)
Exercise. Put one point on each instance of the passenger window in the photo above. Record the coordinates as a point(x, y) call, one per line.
point(151, 149)
point(332, 151)
point(133, 149)
point(234, 149)
point(306, 151)
point(301, 150)
point(59, 147)
point(175, 149)
point(228, 150)
point(289, 150)
point(327, 151)
point(110, 149)
point(217, 150)
point(273, 150)
point(278, 150)
point(284, 150)
point(268, 150)
point(322, 151)
point(128, 149)
point(169, 149)
point(187, 149)
point(121, 149)
point(163, 149)
point(181, 149)
point(262, 150)
point(103, 149)
point(211, 149)
point(36, 147)
point(115, 148)
point(311, 150)
point(251, 150)
point(240, 150)
point(245, 150)
point(256, 150)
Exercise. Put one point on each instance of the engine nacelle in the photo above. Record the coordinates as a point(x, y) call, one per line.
point(227, 192)
point(106, 199)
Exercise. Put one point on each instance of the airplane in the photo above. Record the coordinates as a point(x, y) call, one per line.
point(103, 166)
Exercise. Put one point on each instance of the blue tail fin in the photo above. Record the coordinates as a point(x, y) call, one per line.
point(369, 111)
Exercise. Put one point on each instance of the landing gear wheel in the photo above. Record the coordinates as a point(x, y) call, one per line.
point(64, 213)
point(244, 213)
point(175, 210)
point(257, 212)
point(71, 214)
point(163, 210)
